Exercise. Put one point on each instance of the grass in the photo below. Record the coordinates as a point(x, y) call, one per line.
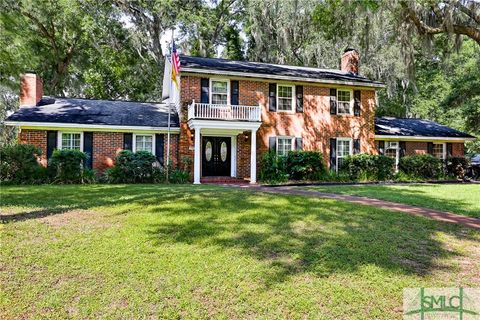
point(462, 199)
point(153, 251)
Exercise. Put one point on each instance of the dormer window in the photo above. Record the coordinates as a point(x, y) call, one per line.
point(219, 91)
point(344, 102)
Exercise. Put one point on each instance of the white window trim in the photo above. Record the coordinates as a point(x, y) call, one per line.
point(350, 140)
point(351, 102)
point(59, 139)
point(292, 139)
point(444, 149)
point(294, 99)
point(210, 89)
point(134, 142)
point(397, 152)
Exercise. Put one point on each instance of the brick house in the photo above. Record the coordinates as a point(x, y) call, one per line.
point(227, 113)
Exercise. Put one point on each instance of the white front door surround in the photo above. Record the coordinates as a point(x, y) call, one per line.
point(224, 129)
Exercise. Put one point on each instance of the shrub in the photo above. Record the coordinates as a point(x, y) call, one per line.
point(273, 168)
point(19, 164)
point(368, 167)
point(457, 166)
point(423, 166)
point(304, 165)
point(178, 176)
point(139, 167)
point(66, 166)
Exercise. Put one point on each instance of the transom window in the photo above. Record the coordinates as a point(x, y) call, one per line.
point(284, 98)
point(144, 143)
point(71, 141)
point(438, 150)
point(344, 102)
point(344, 149)
point(219, 91)
point(284, 145)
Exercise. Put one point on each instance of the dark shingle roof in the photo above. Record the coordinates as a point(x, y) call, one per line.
point(270, 69)
point(416, 128)
point(99, 112)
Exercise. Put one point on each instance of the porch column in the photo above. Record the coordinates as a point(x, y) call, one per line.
point(196, 158)
point(253, 158)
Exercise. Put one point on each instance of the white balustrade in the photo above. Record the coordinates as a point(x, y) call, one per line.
point(223, 112)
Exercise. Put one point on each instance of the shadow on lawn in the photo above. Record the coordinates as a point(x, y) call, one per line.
point(410, 195)
point(291, 234)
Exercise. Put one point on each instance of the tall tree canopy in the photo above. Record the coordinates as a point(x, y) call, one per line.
point(427, 52)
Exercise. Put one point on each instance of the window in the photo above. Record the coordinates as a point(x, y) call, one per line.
point(439, 150)
point(284, 98)
point(143, 143)
point(392, 150)
point(284, 145)
point(71, 141)
point(344, 149)
point(344, 102)
point(219, 91)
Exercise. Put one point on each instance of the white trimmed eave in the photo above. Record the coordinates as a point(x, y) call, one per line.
point(222, 127)
point(186, 70)
point(422, 138)
point(93, 127)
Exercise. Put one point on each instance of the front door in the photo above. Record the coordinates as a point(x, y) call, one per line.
point(216, 156)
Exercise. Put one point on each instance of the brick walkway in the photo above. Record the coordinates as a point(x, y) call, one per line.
point(473, 223)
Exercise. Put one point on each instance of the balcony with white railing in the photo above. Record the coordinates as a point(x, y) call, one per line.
point(223, 112)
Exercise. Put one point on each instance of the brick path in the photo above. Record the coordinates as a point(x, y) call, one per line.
point(470, 222)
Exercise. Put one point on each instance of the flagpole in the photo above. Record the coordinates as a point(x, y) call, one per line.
point(169, 112)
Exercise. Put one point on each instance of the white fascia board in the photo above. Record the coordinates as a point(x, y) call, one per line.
point(278, 77)
point(422, 138)
point(80, 126)
point(224, 125)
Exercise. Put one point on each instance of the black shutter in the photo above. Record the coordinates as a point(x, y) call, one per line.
point(298, 144)
point(272, 97)
point(403, 148)
point(159, 142)
point(430, 147)
point(333, 154)
point(449, 149)
point(51, 142)
point(272, 143)
point(234, 92)
point(127, 141)
point(299, 102)
point(357, 97)
point(88, 148)
point(204, 85)
point(333, 101)
point(381, 147)
point(356, 146)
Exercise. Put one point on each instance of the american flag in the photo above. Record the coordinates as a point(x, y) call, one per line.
point(175, 64)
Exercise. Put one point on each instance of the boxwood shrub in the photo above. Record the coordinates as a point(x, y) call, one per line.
point(134, 167)
point(67, 166)
point(19, 165)
point(423, 166)
point(305, 165)
point(368, 167)
point(273, 168)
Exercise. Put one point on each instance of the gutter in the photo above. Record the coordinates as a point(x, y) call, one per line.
point(422, 138)
point(99, 127)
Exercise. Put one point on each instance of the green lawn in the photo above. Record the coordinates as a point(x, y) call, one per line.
point(462, 199)
point(153, 251)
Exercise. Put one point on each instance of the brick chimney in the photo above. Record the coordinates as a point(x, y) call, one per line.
point(31, 89)
point(350, 61)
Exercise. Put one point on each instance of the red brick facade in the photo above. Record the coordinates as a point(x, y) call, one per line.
point(106, 145)
point(421, 147)
point(314, 125)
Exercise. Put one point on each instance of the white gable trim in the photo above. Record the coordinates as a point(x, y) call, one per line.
point(422, 138)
